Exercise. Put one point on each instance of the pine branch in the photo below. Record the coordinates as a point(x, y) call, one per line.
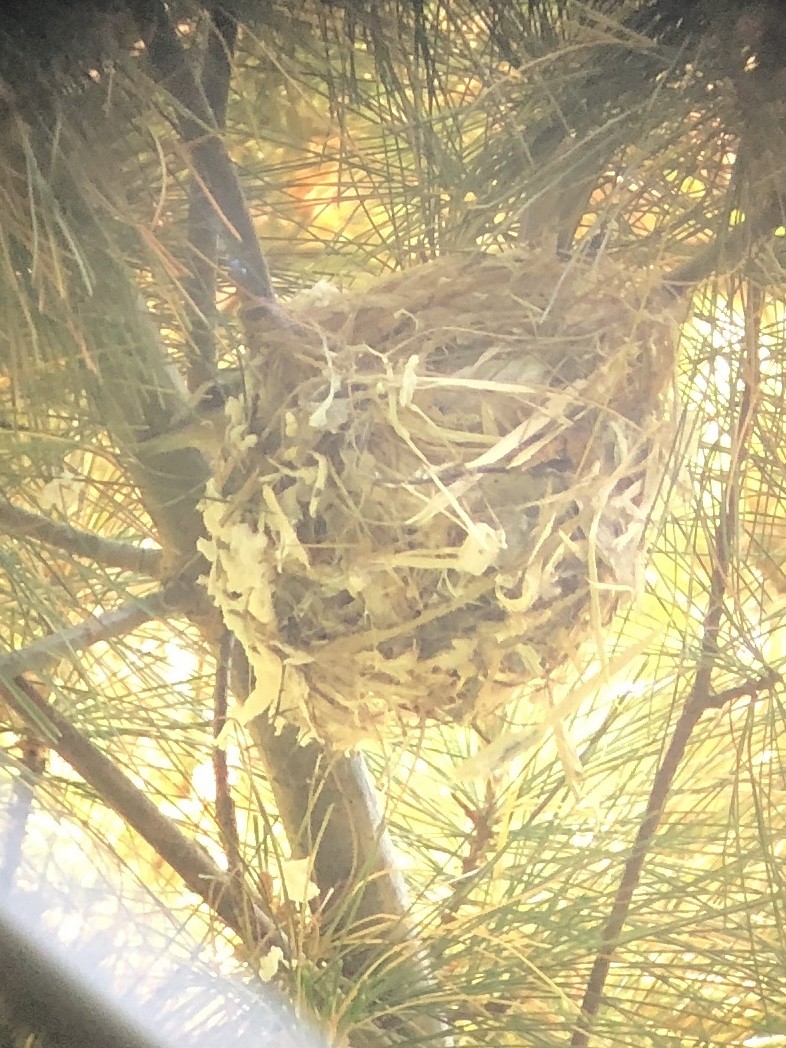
point(93, 629)
point(186, 857)
point(355, 851)
point(725, 252)
point(314, 789)
point(202, 220)
point(226, 816)
point(355, 846)
point(138, 396)
point(109, 553)
point(701, 699)
point(330, 812)
point(212, 165)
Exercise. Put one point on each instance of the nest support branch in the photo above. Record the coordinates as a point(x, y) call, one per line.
point(203, 224)
point(211, 163)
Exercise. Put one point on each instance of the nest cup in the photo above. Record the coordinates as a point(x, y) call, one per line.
point(434, 490)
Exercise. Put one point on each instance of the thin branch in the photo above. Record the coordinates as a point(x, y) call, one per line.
point(476, 862)
point(186, 857)
point(93, 629)
point(226, 817)
point(701, 698)
point(217, 71)
point(109, 553)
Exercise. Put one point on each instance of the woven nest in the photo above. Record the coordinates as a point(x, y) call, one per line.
point(435, 490)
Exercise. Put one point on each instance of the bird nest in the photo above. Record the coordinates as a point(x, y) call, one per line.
point(434, 490)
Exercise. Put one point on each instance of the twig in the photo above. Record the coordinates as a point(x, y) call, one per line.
point(93, 629)
point(186, 857)
point(110, 553)
point(475, 863)
point(701, 698)
point(217, 69)
point(225, 806)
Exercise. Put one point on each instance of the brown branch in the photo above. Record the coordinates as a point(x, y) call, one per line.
point(109, 553)
point(93, 629)
point(701, 699)
point(202, 220)
point(726, 251)
point(698, 703)
point(226, 818)
point(217, 70)
point(212, 165)
point(186, 857)
point(329, 810)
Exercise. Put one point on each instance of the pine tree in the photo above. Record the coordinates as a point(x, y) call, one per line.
point(282, 281)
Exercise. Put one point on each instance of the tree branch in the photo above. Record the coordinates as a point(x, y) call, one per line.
point(330, 812)
point(226, 816)
point(138, 398)
point(725, 252)
point(212, 165)
point(315, 789)
point(93, 629)
point(109, 553)
point(203, 226)
point(701, 698)
point(186, 857)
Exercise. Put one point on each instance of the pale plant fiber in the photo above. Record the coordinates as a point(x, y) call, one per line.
point(435, 489)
